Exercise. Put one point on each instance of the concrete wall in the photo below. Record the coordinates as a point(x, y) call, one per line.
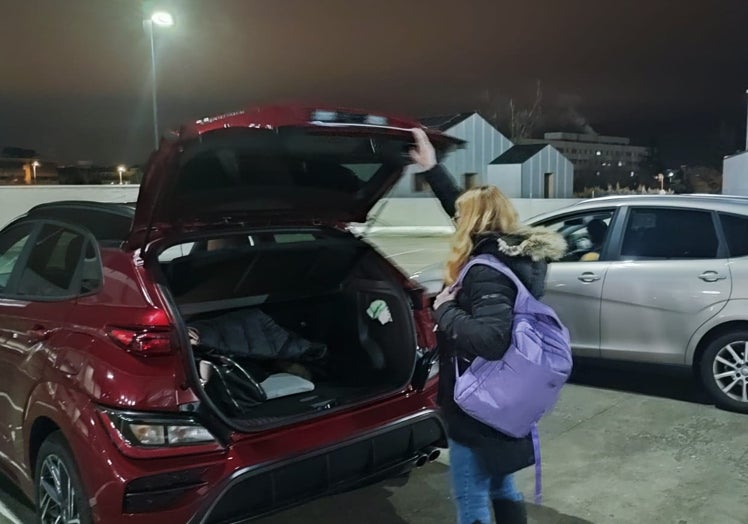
point(425, 217)
point(17, 200)
point(507, 177)
point(735, 175)
point(548, 160)
point(484, 144)
point(397, 215)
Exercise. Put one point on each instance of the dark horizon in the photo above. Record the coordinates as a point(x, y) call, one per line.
point(76, 73)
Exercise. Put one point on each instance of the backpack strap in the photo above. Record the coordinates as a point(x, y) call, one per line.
point(498, 265)
point(523, 294)
point(538, 466)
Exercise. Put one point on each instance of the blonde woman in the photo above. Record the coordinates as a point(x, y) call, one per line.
point(476, 320)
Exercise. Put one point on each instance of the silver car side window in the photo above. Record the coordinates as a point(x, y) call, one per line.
point(585, 234)
point(668, 233)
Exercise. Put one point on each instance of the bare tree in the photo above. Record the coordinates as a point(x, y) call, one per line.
point(702, 179)
point(521, 122)
point(524, 121)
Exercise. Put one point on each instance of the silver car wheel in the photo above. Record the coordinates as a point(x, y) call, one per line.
point(730, 370)
point(57, 497)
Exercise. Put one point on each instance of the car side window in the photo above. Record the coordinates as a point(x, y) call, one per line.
point(668, 233)
point(12, 243)
point(735, 228)
point(52, 263)
point(585, 234)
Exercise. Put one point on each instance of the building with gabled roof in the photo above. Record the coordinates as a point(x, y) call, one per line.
point(543, 173)
point(532, 171)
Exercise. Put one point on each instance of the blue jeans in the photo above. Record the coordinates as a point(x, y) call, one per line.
point(474, 488)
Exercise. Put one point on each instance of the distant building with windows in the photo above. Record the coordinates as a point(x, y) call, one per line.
point(89, 173)
point(535, 172)
point(35, 171)
point(598, 159)
point(21, 171)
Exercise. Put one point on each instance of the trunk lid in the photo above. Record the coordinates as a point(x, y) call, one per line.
point(274, 165)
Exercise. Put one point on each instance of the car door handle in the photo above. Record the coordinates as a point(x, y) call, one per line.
point(711, 276)
point(588, 277)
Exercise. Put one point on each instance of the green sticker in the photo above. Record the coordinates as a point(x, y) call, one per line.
point(379, 310)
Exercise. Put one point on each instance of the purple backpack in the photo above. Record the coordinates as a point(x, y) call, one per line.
point(513, 393)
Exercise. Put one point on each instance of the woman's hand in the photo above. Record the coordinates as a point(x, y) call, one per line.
point(423, 154)
point(446, 295)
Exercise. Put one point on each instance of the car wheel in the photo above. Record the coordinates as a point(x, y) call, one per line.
point(60, 497)
point(724, 371)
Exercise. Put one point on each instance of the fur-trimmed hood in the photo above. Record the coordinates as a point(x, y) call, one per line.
point(537, 243)
point(526, 252)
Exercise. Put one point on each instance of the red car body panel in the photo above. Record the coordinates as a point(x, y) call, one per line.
point(70, 371)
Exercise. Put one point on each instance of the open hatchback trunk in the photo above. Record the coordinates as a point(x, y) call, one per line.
point(289, 315)
point(317, 319)
point(274, 166)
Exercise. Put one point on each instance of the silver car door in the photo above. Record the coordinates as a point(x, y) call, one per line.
point(671, 277)
point(574, 284)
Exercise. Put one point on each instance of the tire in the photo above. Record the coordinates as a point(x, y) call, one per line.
point(68, 499)
point(724, 371)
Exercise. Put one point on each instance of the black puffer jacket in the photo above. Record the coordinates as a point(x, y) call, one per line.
point(479, 323)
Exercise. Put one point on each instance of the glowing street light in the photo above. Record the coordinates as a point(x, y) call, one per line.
point(165, 20)
point(162, 18)
point(34, 165)
point(121, 170)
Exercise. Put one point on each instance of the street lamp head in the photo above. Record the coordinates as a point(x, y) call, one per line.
point(162, 18)
point(36, 164)
point(121, 168)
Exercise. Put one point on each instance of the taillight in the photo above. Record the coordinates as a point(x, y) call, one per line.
point(151, 430)
point(144, 341)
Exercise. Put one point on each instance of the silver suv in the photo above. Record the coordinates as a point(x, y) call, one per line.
point(659, 279)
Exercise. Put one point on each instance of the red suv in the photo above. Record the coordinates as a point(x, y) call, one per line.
point(227, 346)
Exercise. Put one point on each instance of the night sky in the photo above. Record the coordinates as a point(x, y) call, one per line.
point(75, 73)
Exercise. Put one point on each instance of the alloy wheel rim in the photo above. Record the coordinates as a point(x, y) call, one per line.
point(57, 497)
point(730, 370)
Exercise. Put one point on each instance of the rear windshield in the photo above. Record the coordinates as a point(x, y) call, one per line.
point(290, 162)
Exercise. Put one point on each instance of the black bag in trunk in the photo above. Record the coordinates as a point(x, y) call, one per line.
point(234, 387)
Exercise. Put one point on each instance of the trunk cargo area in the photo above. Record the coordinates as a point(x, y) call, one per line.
point(317, 318)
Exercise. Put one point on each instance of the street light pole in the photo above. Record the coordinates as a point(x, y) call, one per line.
point(149, 23)
point(121, 170)
point(161, 19)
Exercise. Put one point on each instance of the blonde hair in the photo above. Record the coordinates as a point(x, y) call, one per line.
point(478, 210)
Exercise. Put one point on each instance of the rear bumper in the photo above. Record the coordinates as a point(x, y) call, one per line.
point(259, 490)
point(257, 474)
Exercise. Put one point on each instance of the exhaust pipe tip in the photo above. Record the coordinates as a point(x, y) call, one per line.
point(427, 454)
point(432, 453)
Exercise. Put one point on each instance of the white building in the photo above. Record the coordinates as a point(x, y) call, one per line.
point(735, 174)
point(735, 170)
point(485, 144)
point(533, 171)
